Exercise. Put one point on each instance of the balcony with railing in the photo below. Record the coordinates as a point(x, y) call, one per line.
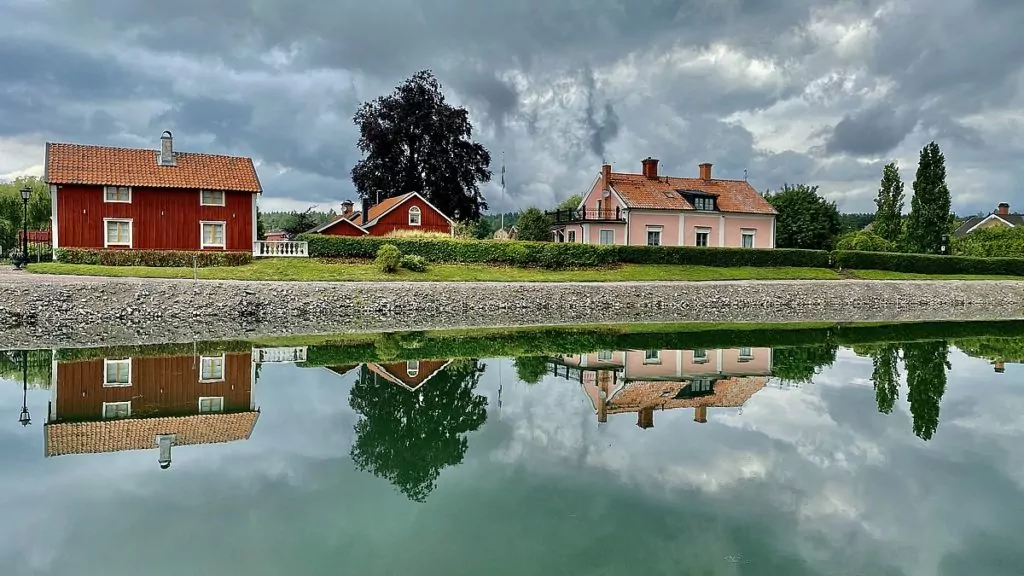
point(588, 215)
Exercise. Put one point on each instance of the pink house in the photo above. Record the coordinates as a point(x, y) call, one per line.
point(655, 210)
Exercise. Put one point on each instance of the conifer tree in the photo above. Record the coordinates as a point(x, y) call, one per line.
point(930, 207)
point(888, 217)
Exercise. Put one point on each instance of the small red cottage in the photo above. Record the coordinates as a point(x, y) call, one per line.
point(128, 198)
point(406, 212)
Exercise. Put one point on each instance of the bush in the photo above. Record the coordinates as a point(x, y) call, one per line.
point(864, 242)
point(389, 257)
point(413, 263)
point(556, 255)
point(991, 242)
point(928, 263)
point(155, 258)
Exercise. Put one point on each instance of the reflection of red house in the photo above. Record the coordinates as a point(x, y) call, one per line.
point(410, 374)
point(128, 198)
point(410, 212)
point(115, 404)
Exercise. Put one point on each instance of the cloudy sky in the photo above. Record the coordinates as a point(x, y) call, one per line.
point(801, 91)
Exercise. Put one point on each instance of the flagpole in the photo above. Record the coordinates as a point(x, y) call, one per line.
point(502, 189)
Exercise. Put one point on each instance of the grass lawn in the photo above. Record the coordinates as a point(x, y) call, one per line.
point(310, 270)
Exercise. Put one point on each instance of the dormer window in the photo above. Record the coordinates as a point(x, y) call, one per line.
point(704, 203)
point(415, 216)
point(700, 200)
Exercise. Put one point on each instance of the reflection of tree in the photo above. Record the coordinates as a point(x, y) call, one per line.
point(531, 369)
point(926, 364)
point(408, 437)
point(886, 376)
point(800, 364)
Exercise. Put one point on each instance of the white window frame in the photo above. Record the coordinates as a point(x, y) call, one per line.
point(600, 236)
point(202, 236)
point(418, 220)
point(696, 234)
point(202, 363)
point(571, 235)
point(107, 200)
point(131, 232)
point(412, 368)
point(105, 404)
point(702, 358)
point(604, 355)
point(210, 399)
point(107, 362)
point(223, 197)
point(657, 229)
point(746, 354)
point(744, 232)
point(649, 359)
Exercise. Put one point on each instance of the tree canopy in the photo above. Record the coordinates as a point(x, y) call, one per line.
point(805, 219)
point(889, 215)
point(414, 141)
point(12, 209)
point(534, 225)
point(930, 215)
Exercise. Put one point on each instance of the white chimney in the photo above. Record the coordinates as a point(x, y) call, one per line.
point(166, 157)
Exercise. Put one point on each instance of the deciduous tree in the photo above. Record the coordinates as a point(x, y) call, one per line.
point(534, 225)
point(889, 215)
point(930, 207)
point(805, 219)
point(412, 140)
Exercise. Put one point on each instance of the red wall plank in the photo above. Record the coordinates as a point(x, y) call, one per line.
point(163, 219)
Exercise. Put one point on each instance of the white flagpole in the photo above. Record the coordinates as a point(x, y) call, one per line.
point(502, 189)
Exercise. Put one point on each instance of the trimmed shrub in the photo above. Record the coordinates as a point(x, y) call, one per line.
point(154, 258)
point(991, 242)
point(556, 255)
point(928, 263)
point(864, 242)
point(413, 263)
point(389, 257)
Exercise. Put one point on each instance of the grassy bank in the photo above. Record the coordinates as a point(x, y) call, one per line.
point(314, 270)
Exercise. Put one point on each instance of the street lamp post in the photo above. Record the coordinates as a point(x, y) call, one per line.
point(22, 260)
point(25, 418)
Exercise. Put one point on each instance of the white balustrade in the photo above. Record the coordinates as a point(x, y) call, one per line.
point(279, 355)
point(280, 249)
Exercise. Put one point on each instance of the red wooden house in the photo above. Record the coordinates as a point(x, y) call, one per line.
point(128, 198)
point(406, 212)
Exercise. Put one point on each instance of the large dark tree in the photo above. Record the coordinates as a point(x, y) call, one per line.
point(408, 437)
point(889, 216)
point(414, 141)
point(805, 219)
point(531, 369)
point(930, 215)
point(926, 364)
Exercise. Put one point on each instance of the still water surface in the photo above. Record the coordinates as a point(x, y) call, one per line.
point(880, 458)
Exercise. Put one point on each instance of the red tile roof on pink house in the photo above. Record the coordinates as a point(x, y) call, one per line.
point(656, 192)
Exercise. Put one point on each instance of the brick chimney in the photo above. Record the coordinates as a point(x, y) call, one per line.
point(1000, 367)
point(606, 174)
point(650, 168)
point(166, 156)
point(366, 209)
point(700, 413)
point(705, 171)
point(1003, 209)
point(346, 208)
point(645, 418)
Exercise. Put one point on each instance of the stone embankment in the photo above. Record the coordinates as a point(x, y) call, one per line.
point(37, 310)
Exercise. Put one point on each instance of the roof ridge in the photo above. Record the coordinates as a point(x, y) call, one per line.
point(154, 150)
point(679, 177)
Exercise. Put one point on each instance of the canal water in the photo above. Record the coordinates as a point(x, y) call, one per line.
point(831, 451)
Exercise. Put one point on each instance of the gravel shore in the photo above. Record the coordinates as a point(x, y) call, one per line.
point(39, 310)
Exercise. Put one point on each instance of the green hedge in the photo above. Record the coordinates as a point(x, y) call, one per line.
point(928, 263)
point(991, 242)
point(559, 255)
point(158, 258)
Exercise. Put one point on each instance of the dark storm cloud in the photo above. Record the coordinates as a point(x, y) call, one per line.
point(498, 98)
point(876, 130)
point(599, 117)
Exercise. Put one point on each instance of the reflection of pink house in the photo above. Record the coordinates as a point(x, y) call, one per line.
point(642, 381)
point(655, 210)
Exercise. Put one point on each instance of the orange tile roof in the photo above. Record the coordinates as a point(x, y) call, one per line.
point(104, 165)
point(638, 191)
point(729, 393)
point(140, 433)
point(376, 211)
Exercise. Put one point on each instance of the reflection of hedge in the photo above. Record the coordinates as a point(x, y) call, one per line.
point(182, 349)
point(992, 348)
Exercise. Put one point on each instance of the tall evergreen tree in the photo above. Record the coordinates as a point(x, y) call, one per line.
point(926, 364)
point(888, 218)
point(930, 207)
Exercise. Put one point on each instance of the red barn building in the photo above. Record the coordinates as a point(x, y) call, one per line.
point(406, 212)
point(128, 198)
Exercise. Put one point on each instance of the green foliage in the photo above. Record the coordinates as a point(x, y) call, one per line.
point(570, 203)
point(534, 225)
point(930, 207)
point(926, 364)
point(530, 369)
point(800, 364)
point(301, 222)
point(157, 258)
point(389, 258)
point(991, 242)
point(864, 241)
point(885, 375)
point(12, 209)
point(556, 255)
point(854, 222)
point(928, 263)
point(412, 262)
point(889, 216)
point(494, 221)
point(261, 229)
point(805, 219)
point(412, 140)
point(282, 220)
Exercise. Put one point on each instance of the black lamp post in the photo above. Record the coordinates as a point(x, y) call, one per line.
point(22, 260)
point(25, 418)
